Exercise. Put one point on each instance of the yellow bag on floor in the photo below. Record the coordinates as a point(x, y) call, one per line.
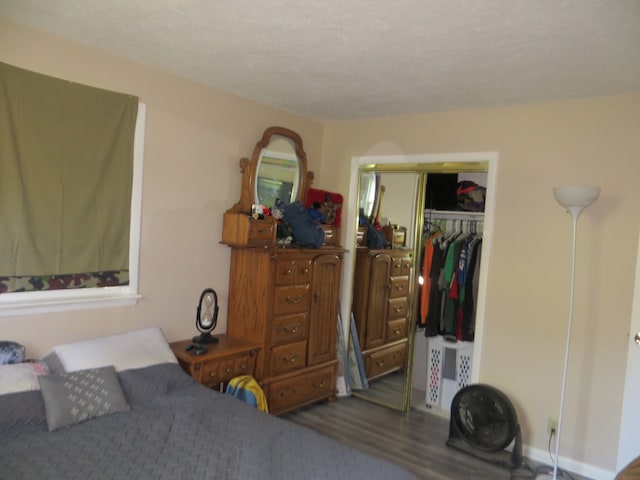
point(247, 389)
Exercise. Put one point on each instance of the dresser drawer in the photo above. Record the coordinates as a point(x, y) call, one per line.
point(241, 229)
point(402, 265)
point(293, 299)
point(398, 287)
point(396, 236)
point(261, 232)
point(397, 307)
point(213, 373)
point(385, 360)
point(331, 234)
point(291, 271)
point(286, 358)
point(396, 330)
point(295, 391)
point(289, 328)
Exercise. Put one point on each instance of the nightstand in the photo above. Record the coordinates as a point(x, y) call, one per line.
point(228, 358)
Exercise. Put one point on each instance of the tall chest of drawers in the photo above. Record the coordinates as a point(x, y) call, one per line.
point(380, 307)
point(286, 301)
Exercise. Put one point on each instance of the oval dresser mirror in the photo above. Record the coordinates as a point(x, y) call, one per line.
point(277, 172)
point(277, 169)
point(367, 193)
point(371, 191)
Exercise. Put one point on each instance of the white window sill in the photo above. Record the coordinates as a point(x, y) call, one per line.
point(28, 303)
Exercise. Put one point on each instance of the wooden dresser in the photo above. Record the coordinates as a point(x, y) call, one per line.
point(282, 298)
point(227, 358)
point(380, 307)
point(285, 300)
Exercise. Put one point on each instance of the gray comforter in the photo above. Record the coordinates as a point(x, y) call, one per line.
point(176, 429)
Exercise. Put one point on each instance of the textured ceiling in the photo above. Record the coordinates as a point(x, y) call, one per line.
point(340, 59)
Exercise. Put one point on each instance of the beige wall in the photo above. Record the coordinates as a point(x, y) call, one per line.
point(583, 142)
point(195, 136)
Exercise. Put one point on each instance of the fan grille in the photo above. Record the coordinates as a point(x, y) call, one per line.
point(484, 417)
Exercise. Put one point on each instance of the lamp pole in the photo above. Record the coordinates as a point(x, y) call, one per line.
point(575, 200)
point(568, 344)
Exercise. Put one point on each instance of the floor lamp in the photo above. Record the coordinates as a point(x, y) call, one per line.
point(575, 200)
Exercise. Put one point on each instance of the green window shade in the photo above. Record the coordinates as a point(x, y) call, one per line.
point(66, 168)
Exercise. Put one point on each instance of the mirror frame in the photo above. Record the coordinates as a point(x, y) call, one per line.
point(249, 169)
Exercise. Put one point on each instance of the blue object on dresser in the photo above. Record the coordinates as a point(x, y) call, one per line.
point(11, 352)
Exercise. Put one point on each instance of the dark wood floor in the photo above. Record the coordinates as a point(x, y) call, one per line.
point(415, 440)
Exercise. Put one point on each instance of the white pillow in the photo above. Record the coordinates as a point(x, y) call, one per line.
point(21, 377)
point(133, 349)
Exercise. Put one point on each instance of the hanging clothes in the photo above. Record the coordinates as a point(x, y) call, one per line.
point(452, 286)
point(450, 265)
point(432, 323)
point(427, 259)
point(471, 290)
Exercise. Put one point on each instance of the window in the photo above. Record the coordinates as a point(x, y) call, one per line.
point(79, 143)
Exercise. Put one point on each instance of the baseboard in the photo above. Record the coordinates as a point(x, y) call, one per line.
point(573, 466)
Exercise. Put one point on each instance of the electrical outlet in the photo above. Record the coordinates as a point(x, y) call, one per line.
point(552, 425)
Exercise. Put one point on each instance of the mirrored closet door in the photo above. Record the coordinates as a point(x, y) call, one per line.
point(390, 340)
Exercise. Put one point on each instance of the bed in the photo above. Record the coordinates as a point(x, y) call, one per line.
point(162, 425)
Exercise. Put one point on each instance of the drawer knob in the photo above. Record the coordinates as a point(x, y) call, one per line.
point(396, 331)
point(212, 374)
point(293, 391)
point(319, 384)
point(288, 271)
point(294, 329)
point(400, 286)
point(293, 359)
point(306, 270)
point(243, 366)
point(380, 363)
point(229, 370)
point(293, 300)
point(262, 230)
point(397, 309)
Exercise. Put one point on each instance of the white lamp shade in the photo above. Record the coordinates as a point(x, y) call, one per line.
point(576, 199)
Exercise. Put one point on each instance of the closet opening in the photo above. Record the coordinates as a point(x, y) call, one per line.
point(448, 275)
point(406, 212)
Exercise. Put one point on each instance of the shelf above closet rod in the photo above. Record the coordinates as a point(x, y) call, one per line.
point(453, 214)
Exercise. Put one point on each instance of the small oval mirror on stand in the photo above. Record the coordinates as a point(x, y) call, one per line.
point(206, 321)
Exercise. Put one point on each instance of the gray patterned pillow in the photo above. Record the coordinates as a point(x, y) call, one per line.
point(11, 352)
point(74, 397)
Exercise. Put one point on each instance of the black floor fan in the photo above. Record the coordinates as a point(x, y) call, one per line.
point(483, 424)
